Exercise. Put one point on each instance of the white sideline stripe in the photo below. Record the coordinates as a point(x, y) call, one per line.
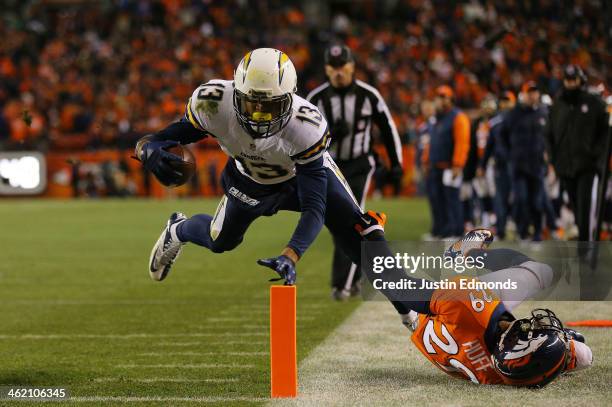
point(133, 336)
point(204, 399)
point(203, 353)
point(165, 380)
point(187, 366)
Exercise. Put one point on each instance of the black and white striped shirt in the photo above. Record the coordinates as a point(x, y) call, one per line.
point(359, 106)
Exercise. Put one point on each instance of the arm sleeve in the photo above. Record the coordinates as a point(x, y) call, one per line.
point(182, 131)
point(314, 152)
point(312, 194)
point(416, 299)
point(388, 131)
point(461, 139)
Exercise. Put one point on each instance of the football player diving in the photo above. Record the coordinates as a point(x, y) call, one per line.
point(277, 144)
point(472, 334)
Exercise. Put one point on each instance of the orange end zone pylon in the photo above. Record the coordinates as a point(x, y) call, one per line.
point(283, 341)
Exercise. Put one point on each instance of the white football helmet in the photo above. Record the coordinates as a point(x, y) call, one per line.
point(264, 83)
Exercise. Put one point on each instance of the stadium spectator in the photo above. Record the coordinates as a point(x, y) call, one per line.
point(130, 67)
point(102, 76)
point(448, 153)
point(477, 188)
point(578, 136)
point(497, 149)
point(423, 136)
point(523, 131)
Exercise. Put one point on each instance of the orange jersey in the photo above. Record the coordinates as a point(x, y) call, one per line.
point(482, 136)
point(452, 335)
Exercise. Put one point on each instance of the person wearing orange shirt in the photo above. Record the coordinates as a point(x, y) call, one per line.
point(470, 332)
point(448, 153)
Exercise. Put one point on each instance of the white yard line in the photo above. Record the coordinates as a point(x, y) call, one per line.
point(212, 343)
point(135, 335)
point(98, 302)
point(165, 380)
point(244, 327)
point(245, 318)
point(179, 343)
point(241, 343)
point(255, 327)
point(186, 366)
point(221, 353)
point(211, 399)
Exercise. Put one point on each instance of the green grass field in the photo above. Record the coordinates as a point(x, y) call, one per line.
point(80, 311)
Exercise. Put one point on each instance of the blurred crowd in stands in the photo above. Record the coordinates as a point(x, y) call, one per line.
point(87, 75)
point(83, 74)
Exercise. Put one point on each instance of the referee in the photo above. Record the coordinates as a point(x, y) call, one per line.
point(350, 107)
point(578, 141)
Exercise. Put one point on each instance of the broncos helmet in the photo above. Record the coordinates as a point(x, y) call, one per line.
point(532, 351)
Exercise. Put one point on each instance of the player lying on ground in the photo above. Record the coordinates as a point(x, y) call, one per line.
point(277, 142)
point(472, 334)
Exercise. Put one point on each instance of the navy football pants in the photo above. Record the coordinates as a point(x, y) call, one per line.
point(245, 200)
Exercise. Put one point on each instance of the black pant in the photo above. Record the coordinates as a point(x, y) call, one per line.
point(501, 200)
point(528, 200)
point(582, 190)
point(358, 173)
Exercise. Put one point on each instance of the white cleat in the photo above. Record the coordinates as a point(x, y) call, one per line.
point(474, 239)
point(167, 249)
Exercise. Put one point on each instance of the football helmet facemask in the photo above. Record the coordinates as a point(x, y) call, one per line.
point(532, 351)
point(264, 84)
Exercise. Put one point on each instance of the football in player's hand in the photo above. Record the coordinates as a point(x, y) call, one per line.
point(185, 168)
